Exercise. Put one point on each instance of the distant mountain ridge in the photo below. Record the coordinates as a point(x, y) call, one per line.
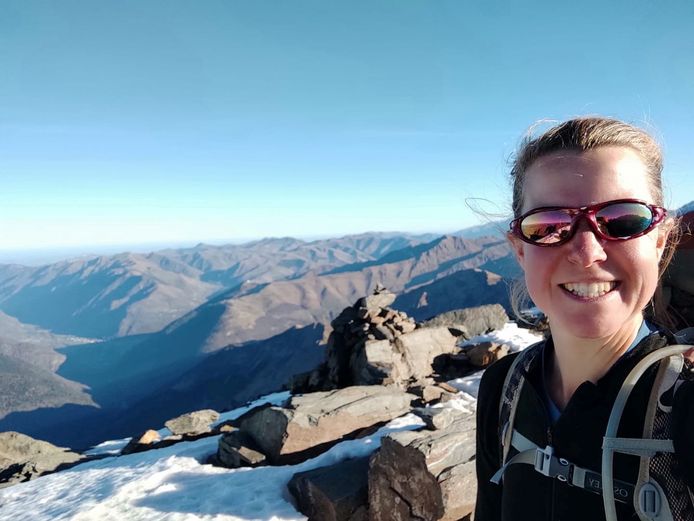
point(128, 293)
point(226, 328)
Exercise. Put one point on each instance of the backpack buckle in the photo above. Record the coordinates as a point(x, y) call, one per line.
point(547, 464)
point(543, 460)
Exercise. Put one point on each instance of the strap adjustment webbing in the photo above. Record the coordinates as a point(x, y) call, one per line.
point(644, 447)
point(546, 463)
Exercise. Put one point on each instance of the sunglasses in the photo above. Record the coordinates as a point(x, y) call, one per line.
point(618, 220)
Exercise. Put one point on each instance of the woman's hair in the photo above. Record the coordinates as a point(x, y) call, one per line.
point(588, 133)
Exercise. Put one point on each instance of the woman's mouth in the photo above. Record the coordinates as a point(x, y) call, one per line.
point(589, 289)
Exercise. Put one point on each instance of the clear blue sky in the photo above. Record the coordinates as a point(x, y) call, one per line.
point(125, 122)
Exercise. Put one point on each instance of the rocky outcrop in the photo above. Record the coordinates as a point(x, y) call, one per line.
point(310, 424)
point(425, 474)
point(197, 422)
point(23, 458)
point(334, 493)
point(471, 321)
point(372, 344)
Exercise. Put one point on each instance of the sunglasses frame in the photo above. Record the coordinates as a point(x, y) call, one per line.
point(658, 214)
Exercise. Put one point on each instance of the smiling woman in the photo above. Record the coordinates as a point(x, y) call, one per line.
point(593, 238)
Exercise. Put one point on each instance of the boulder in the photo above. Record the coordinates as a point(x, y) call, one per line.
point(407, 359)
point(420, 347)
point(192, 423)
point(431, 393)
point(141, 442)
point(472, 321)
point(436, 418)
point(337, 492)
point(485, 353)
point(312, 423)
point(376, 362)
point(425, 474)
point(237, 450)
point(23, 458)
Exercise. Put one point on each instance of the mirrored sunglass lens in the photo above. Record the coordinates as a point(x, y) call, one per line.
point(546, 227)
point(624, 219)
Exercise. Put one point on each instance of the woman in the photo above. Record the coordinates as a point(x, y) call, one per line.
point(592, 237)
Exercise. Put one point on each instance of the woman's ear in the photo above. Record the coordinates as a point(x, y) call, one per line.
point(518, 248)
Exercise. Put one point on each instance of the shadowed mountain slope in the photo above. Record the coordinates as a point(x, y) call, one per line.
point(229, 378)
point(222, 380)
point(462, 289)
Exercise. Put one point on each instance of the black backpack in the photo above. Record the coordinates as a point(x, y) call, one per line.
point(658, 494)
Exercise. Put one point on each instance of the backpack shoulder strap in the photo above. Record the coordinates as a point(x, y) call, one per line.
point(510, 392)
point(658, 495)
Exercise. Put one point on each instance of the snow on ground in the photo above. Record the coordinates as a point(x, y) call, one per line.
point(173, 484)
point(114, 447)
point(517, 338)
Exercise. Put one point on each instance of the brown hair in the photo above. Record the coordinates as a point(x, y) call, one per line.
point(587, 133)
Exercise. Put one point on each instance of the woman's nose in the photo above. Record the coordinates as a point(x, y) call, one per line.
point(585, 248)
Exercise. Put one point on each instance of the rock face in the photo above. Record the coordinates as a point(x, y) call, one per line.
point(237, 450)
point(197, 422)
point(472, 321)
point(405, 360)
point(335, 493)
point(425, 475)
point(23, 458)
point(372, 344)
point(311, 423)
point(439, 418)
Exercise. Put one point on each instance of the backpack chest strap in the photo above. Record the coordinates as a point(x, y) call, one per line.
point(546, 463)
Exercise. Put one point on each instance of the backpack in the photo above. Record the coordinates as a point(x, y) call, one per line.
point(658, 495)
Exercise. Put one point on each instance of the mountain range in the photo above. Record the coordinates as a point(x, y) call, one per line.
point(161, 333)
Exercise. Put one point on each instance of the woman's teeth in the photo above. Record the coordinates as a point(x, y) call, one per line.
point(589, 290)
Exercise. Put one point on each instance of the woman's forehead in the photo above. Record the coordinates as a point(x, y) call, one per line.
point(603, 159)
point(579, 178)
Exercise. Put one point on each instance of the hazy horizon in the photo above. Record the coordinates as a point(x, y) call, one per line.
point(46, 255)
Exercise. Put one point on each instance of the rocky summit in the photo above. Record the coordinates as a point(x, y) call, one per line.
point(380, 366)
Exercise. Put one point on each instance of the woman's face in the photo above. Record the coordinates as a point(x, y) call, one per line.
point(564, 280)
